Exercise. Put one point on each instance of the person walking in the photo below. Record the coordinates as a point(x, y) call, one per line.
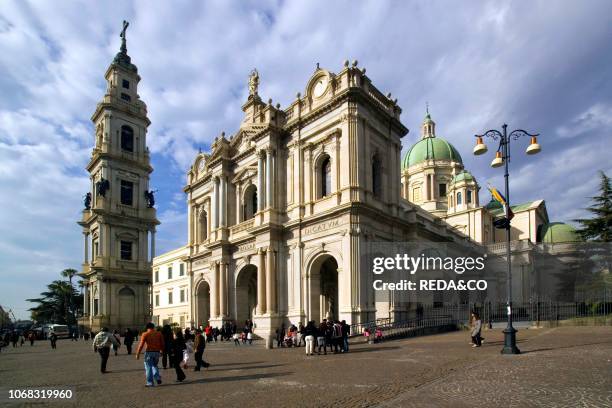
point(476, 339)
point(53, 340)
point(31, 338)
point(178, 349)
point(102, 344)
point(199, 345)
point(154, 342)
point(346, 331)
point(167, 334)
point(188, 349)
point(118, 343)
point(309, 333)
point(128, 340)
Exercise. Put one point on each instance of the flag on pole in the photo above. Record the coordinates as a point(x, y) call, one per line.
point(497, 196)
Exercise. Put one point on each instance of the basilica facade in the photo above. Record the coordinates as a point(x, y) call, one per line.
point(283, 213)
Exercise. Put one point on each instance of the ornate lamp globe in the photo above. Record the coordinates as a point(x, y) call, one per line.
point(534, 146)
point(480, 147)
point(497, 161)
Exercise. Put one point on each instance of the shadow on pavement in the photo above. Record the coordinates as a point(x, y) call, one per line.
point(564, 347)
point(233, 378)
point(244, 368)
point(370, 349)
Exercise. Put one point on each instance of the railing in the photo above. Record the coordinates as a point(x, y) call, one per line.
point(242, 226)
point(516, 245)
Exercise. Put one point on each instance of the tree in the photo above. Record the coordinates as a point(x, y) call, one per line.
point(53, 304)
point(597, 258)
point(599, 228)
point(70, 273)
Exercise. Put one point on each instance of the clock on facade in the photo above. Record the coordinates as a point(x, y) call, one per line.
point(320, 87)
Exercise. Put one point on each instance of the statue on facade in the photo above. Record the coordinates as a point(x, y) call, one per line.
point(253, 82)
point(150, 198)
point(87, 201)
point(102, 187)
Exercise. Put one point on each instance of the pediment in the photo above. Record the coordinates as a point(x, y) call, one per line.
point(245, 174)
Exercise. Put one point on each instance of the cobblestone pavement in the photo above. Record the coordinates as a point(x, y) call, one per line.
point(560, 367)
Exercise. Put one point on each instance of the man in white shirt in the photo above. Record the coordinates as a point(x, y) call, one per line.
point(102, 344)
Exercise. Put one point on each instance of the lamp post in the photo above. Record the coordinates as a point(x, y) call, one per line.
point(502, 157)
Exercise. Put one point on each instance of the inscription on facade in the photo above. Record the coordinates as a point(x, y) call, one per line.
point(323, 226)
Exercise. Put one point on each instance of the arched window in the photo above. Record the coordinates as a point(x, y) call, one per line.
point(376, 176)
point(127, 138)
point(459, 201)
point(249, 207)
point(203, 225)
point(325, 174)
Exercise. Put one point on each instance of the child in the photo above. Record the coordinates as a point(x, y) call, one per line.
point(250, 337)
point(236, 338)
point(379, 335)
point(188, 350)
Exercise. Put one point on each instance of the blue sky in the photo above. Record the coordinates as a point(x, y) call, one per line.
point(541, 65)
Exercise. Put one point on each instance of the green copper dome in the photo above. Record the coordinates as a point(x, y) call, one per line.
point(430, 148)
point(559, 232)
point(463, 176)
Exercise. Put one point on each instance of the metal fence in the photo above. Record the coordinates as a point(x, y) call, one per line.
point(443, 315)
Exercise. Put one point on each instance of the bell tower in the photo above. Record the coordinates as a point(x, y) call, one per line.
point(119, 218)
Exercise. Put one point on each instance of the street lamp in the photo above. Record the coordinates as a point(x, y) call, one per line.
point(502, 157)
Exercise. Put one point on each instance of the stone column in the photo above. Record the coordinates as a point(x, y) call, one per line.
point(86, 300)
point(214, 291)
point(238, 206)
point(152, 245)
point(215, 204)
point(261, 285)
point(270, 281)
point(223, 289)
point(86, 236)
point(261, 190)
point(223, 202)
point(269, 187)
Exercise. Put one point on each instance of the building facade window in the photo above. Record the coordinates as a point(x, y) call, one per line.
point(459, 198)
point(127, 138)
point(169, 272)
point(157, 299)
point(416, 194)
point(157, 275)
point(325, 174)
point(469, 197)
point(126, 84)
point(249, 207)
point(203, 225)
point(126, 250)
point(170, 300)
point(126, 97)
point(442, 189)
point(182, 269)
point(376, 177)
point(182, 296)
point(127, 192)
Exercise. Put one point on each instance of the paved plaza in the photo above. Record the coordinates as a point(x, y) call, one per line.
point(559, 367)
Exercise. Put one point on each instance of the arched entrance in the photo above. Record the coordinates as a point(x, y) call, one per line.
point(246, 293)
point(126, 307)
point(202, 303)
point(323, 289)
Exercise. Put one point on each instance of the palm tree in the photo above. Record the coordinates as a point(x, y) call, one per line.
point(52, 306)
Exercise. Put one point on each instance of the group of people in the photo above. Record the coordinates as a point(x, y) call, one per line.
point(332, 334)
point(173, 346)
